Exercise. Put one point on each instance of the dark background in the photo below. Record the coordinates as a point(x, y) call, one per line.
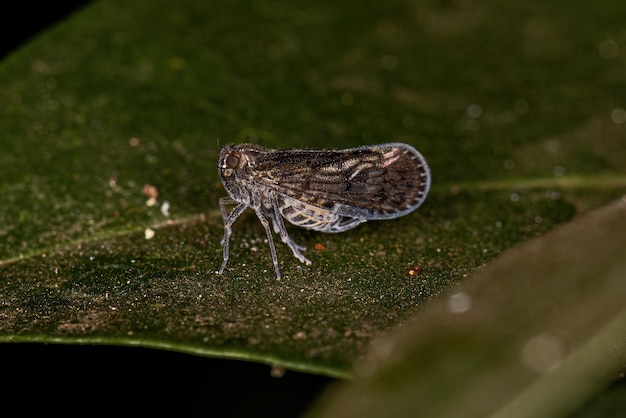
point(83, 380)
point(24, 20)
point(118, 381)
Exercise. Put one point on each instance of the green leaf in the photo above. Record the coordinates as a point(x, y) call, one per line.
point(536, 333)
point(517, 108)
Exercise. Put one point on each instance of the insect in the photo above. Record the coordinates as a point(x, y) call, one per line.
point(322, 190)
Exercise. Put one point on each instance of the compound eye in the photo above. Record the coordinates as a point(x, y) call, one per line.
point(232, 161)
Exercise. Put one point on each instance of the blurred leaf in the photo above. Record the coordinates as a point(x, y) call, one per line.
point(536, 333)
point(516, 108)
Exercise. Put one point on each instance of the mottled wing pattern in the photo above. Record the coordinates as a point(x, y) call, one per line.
point(376, 182)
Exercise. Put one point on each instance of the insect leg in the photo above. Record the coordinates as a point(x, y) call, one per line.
point(270, 238)
point(284, 235)
point(223, 202)
point(276, 226)
point(228, 223)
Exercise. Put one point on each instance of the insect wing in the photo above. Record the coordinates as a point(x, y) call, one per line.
point(374, 182)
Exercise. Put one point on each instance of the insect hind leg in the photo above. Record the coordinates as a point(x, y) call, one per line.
point(280, 228)
point(276, 225)
point(270, 239)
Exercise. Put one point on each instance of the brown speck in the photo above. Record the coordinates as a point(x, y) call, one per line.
point(415, 270)
point(277, 371)
point(320, 247)
point(150, 191)
point(300, 335)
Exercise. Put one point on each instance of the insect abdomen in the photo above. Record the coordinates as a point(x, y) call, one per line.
point(317, 219)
